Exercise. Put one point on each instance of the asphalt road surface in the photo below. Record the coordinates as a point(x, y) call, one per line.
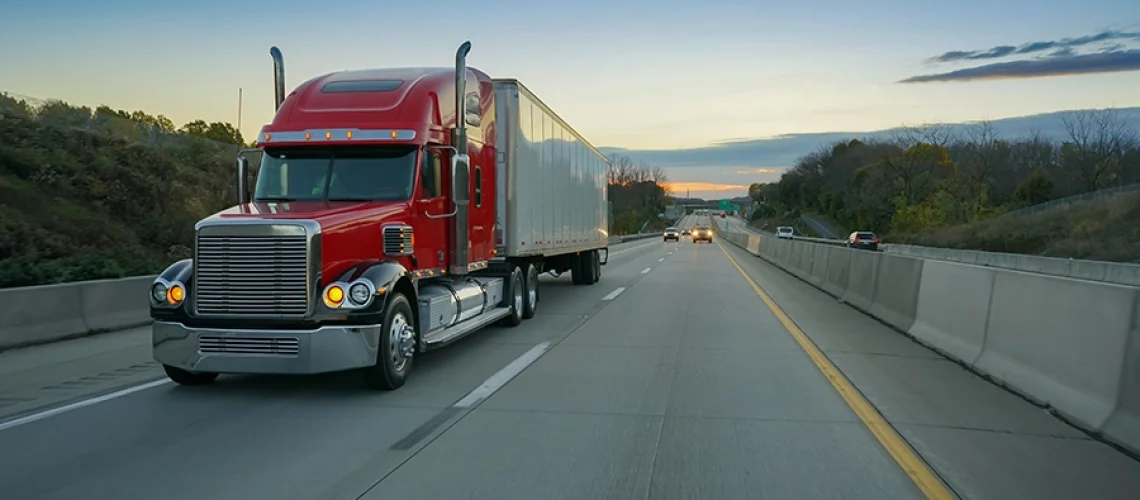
point(671, 378)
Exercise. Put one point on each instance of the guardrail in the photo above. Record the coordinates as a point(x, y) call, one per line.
point(1093, 270)
point(1067, 344)
point(49, 313)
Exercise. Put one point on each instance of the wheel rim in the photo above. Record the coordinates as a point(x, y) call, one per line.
point(401, 341)
point(518, 297)
point(532, 287)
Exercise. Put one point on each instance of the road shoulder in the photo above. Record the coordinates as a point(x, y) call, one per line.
point(982, 440)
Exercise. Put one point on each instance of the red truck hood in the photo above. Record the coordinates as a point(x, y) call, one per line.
point(330, 215)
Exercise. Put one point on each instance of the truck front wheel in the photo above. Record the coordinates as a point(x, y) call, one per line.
point(396, 347)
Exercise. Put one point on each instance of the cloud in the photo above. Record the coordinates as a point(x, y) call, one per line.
point(1035, 47)
point(765, 159)
point(754, 171)
point(1063, 64)
point(703, 187)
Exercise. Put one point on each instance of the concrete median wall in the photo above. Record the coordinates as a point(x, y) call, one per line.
point(43, 314)
point(40, 314)
point(1070, 344)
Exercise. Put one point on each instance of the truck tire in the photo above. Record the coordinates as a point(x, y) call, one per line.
point(530, 305)
point(183, 377)
point(516, 297)
point(392, 363)
point(595, 267)
point(578, 269)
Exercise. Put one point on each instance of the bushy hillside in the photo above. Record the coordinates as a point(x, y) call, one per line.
point(103, 193)
point(87, 195)
point(935, 185)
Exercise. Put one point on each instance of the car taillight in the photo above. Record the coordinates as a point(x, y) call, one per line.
point(876, 240)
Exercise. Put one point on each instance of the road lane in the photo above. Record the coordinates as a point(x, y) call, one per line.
point(38, 378)
point(281, 437)
point(684, 387)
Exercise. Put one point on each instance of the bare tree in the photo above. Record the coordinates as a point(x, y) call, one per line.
point(1097, 142)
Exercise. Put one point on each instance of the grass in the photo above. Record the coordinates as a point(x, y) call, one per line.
point(79, 204)
point(1106, 230)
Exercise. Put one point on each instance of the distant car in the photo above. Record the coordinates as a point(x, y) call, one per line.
point(702, 233)
point(785, 232)
point(685, 232)
point(671, 233)
point(865, 240)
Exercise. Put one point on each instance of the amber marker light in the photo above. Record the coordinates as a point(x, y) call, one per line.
point(175, 294)
point(334, 296)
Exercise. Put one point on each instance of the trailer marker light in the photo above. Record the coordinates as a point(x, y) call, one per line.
point(175, 294)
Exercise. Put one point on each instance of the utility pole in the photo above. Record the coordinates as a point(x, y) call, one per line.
point(239, 109)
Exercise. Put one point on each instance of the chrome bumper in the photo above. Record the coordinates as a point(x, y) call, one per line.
point(325, 349)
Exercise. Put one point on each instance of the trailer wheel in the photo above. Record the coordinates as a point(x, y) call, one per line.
point(517, 298)
point(578, 269)
point(183, 377)
point(530, 305)
point(396, 347)
point(595, 265)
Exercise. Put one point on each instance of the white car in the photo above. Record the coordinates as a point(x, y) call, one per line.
point(785, 232)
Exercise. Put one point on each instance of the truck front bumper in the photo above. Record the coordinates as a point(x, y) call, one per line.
point(213, 350)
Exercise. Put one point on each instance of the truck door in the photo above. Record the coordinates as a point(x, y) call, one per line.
point(432, 209)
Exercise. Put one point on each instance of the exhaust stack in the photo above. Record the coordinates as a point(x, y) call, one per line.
point(460, 167)
point(278, 77)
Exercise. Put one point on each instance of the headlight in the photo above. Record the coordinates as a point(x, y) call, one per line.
point(359, 293)
point(158, 293)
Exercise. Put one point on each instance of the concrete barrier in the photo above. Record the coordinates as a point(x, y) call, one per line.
point(1059, 340)
point(41, 314)
point(1070, 344)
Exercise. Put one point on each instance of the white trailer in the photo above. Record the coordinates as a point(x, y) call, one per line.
point(552, 183)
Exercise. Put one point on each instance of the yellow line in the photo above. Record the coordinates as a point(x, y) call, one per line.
point(907, 459)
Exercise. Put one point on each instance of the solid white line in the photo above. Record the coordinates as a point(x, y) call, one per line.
point(613, 295)
point(498, 380)
point(80, 404)
point(646, 271)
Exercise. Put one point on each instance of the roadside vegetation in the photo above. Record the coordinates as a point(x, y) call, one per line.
point(93, 193)
point(932, 186)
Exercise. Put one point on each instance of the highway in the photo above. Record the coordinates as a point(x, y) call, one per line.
point(690, 371)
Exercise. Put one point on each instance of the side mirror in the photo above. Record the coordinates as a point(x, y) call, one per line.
point(460, 179)
point(242, 180)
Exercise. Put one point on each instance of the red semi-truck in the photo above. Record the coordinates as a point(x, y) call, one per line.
point(394, 211)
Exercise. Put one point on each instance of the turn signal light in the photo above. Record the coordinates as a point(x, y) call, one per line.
point(175, 294)
point(334, 296)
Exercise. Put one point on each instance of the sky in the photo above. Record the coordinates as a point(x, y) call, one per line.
point(662, 80)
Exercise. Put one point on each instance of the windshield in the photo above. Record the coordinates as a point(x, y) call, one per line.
point(338, 174)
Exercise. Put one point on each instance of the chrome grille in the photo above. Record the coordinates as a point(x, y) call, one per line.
point(235, 344)
point(252, 275)
point(397, 240)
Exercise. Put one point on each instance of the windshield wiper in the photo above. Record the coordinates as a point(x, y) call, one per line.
point(273, 199)
point(352, 198)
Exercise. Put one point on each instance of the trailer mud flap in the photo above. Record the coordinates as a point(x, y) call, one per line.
point(607, 256)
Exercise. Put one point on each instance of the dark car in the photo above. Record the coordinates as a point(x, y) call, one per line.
point(702, 233)
point(685, 232)
point(672, 234)
point(865, 240)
